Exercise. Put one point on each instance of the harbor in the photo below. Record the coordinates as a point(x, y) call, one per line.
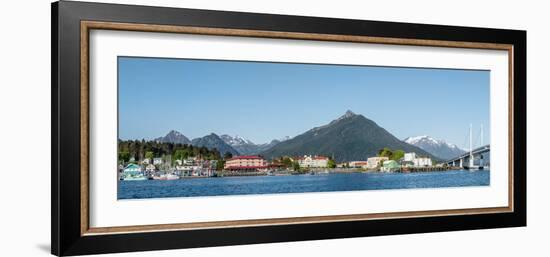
point(303, 183)
point(256, 165)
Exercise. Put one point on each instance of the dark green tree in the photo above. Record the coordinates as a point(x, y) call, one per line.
point(181, 154)
point(220, 164)
point(287, 162)
point(397, 154)
point(139, 149)
point(124, 157)
point(331, 164)
point(386, 152)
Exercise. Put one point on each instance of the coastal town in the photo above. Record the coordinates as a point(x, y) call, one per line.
point(163, 168)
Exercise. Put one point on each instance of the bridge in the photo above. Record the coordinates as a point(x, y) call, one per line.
point(468, 159)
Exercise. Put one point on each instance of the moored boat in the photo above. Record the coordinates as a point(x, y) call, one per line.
point(166, 177)
point(136, 177)
point(172, 177)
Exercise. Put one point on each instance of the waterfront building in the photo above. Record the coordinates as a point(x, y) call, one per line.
point(190, 166)
point(422, 162)
point(133, 172)
point(416, 161)
point(189, 161)
point(150, 168)
point(246, 163)
point(409, 157)
point(157, 161)
point(359, 164)
point(132, 168)
point(390, 166)
point(308, 161)
point(186, 170)
point(373, 162)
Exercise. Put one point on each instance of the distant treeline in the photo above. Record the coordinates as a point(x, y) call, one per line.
point(141, 149)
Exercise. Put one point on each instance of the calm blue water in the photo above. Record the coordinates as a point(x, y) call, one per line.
point(298, 184)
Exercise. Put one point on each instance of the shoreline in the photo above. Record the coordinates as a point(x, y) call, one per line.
point(315, 173)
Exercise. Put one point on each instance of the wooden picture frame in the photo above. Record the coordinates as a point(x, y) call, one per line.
point(71, 25)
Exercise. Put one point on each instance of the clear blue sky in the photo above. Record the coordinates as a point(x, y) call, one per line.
point(264, 101)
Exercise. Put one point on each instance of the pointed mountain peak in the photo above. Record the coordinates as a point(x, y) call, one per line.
point(350, 131)
point(174, 132)
point(173, 136)
point(213, 141)
point(348, 114)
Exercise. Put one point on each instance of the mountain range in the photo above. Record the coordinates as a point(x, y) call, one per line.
point(436, 147)
point(348, 138)
point(235, 145)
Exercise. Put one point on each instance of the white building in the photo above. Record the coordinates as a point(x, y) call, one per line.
point(409, 157)
point(341, 165)
point(417, 161)
point(189, 161)
point(422, 162)
point(146, 161)
point(373, 162)
point(157, 161)
point(309, 161)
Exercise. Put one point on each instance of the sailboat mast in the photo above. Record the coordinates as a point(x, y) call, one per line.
point(481, 134)
point(471, 159)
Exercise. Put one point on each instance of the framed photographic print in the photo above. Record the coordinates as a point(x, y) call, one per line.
point(178, 128)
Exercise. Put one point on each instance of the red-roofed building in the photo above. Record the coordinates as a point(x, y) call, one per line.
point(246, 163)
point(359, 164)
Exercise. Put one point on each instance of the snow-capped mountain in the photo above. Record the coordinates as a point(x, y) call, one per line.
point(246, 146)
point(438, 148)
point(236, 140)
point(213, 141)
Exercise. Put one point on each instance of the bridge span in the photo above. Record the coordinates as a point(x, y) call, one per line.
point(466, 160)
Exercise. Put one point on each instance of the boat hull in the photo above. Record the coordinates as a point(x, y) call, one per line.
point(134, 178)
